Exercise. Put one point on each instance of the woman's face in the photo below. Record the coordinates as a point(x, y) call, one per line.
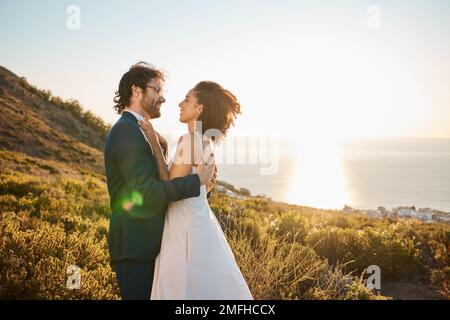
point(189, 108)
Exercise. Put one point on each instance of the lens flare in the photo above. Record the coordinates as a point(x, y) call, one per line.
point(134, 199)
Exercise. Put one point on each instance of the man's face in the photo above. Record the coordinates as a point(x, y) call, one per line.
point(152, 98)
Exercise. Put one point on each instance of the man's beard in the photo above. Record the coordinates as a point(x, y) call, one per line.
point(152, 109)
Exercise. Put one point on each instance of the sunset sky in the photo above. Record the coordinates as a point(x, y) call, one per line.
point(297, 67)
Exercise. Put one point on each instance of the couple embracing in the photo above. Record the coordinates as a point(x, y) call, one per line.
point(164, 240)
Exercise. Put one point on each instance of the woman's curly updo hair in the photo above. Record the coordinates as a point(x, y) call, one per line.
point(139, 75)
point(220, 107)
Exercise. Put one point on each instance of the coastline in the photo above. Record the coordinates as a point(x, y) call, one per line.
point(411, 212)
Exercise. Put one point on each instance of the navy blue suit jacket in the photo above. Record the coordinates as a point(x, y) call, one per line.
point(138, 198)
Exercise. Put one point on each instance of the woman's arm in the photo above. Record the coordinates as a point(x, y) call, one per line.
point(184, 158)
point(164, 145)
point(153, 138)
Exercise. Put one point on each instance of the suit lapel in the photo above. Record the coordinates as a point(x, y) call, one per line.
point(149, 144)
point(129, 116)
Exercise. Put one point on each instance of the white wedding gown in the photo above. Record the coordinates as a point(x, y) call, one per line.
point(196, 261)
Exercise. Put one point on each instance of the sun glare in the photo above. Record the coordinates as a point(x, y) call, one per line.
point(318, 178)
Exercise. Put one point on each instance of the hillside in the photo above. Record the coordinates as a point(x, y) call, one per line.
point(54, 213)
point(40, 125)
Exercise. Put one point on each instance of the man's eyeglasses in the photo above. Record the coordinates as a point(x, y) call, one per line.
point(157, 89)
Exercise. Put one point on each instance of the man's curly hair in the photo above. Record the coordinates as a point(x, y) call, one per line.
point(139, 75)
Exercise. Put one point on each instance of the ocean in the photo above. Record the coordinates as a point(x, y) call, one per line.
point(362, 174)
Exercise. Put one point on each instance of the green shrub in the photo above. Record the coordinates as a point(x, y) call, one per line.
point(397, 257)
point(293, 226)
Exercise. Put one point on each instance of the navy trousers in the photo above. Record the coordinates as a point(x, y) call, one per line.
point(135, 278)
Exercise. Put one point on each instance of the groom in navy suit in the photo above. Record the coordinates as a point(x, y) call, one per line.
point(138, 198)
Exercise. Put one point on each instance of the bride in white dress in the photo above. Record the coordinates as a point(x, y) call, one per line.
point(195, 260)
